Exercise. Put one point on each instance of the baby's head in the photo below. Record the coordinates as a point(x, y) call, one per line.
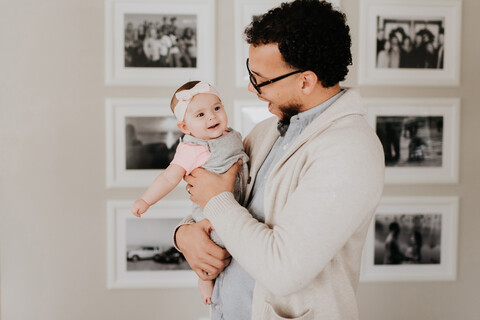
point(199, 110)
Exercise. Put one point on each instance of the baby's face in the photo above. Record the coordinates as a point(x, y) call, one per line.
point(205, 117)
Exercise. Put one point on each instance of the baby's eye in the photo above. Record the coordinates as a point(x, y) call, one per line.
point(200, 115)
point(218, 108)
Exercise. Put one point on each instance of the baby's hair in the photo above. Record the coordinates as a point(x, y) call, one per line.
point(187, 86)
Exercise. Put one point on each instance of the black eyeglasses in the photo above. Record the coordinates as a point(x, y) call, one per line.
point(257, 86)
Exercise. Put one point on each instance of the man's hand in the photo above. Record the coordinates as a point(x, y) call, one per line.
point(203, 255)
point(203, 185)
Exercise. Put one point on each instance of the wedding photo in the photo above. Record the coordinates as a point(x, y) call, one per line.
point(408, 239)
point(412, 239)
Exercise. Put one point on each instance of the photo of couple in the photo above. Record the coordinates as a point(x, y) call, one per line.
point(408, 239)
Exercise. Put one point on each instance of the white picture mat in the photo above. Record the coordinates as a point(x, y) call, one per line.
point(369, 74)
point(117, 74)
point(116, 112)
point(248, 113)
point(446, 270)
point(118, 213)
point(449, 109)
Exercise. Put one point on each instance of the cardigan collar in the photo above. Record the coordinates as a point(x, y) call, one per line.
point(349, 103)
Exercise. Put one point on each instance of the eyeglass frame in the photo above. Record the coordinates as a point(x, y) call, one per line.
point(257, 87)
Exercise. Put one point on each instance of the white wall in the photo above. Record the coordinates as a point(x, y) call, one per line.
point(52, 179)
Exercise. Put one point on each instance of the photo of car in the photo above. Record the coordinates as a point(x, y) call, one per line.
point(169, 256)
point(148, 243)
point(143, 253)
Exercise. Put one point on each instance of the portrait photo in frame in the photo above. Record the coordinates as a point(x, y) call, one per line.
point(420, 138)
point(142, 136)
point(410, 42)
point(412, 239)
point(159, 43)
point(248, 113)
point(245, 12)
point(140, 250)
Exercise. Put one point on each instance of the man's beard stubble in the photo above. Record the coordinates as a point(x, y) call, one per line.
point(289, 110)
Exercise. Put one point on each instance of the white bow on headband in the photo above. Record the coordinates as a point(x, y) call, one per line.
point(185, 96)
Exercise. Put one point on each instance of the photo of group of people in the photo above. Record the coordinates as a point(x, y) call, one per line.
point(160, 41)
point(150, 142)
point(408, 43)
point(407, 239)
point(411, 141)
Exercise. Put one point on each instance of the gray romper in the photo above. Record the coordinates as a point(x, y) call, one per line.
point(224, 152)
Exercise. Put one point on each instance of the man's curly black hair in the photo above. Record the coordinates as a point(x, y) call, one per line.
point(310, 34)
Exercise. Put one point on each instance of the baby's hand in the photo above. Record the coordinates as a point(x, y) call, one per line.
point(139, 207)
point(206, 290)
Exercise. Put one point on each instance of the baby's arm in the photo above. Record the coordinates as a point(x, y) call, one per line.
point(161, 186)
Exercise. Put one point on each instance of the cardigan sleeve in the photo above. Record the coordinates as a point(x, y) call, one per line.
point(336, 193)
point(187, 220)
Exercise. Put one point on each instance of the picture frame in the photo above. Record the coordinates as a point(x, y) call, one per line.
point(245, 10)
point(141, 139)
point(410, 42)
point(159, 42)
point(412, 239)
point(140, 250)
point(420, 137)
point(248, 113)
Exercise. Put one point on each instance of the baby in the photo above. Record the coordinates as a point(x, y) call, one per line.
point(208, 143)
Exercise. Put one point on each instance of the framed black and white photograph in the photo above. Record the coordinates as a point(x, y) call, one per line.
point(420, 138)
point(142, 136)
point(245, 12)
point(410, 42)
point(140, 250)
point(159, 42)
point(248, 113)
point(412, 239)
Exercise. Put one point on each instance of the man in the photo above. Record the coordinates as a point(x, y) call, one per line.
point(392, 254)
point(380, 40)
point(316, 177)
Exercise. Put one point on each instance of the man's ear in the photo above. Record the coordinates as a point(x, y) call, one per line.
point(309, 81)
point(183, 127)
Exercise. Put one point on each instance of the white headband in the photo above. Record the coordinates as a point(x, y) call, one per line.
point(185, 96)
